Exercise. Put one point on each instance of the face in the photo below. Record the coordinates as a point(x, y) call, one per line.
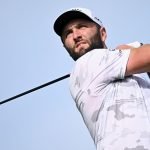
point(81, 36)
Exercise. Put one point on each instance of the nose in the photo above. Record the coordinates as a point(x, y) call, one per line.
point(76, 34)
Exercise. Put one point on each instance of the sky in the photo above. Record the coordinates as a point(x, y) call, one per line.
point(32, 54)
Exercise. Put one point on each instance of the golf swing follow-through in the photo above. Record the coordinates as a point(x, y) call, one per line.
point(110, 87)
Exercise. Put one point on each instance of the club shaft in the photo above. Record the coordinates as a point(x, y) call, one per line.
point(34, 89)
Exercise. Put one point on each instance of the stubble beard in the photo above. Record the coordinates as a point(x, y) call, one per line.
point(95, 43)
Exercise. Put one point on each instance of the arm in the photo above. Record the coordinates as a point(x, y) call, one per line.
point(139, 60)
point(129, 45)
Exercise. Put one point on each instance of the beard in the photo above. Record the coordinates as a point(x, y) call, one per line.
point(95, 43)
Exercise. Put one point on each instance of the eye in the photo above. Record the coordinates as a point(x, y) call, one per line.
point(80, 26)
point(67, 33)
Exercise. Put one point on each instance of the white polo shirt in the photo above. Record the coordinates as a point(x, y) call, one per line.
point(115, 108)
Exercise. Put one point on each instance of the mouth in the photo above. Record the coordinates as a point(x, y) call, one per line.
point(80, 43)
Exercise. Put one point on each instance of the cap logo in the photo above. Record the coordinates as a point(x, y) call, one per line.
point(96, 18)
point(76, 9)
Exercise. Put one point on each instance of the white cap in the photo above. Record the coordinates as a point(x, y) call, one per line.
point(74, 13)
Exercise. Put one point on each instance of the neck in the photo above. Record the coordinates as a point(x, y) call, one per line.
point(105, 46)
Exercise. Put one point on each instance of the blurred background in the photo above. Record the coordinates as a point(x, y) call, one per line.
point(32, 54)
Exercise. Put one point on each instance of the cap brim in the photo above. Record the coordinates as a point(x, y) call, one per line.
point(65, 18)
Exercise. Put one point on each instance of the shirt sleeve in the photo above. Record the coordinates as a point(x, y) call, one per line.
point(112, 65)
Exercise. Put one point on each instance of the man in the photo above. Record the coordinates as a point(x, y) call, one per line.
point(110, 87)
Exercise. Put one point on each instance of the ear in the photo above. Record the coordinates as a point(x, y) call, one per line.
point(103, 34)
